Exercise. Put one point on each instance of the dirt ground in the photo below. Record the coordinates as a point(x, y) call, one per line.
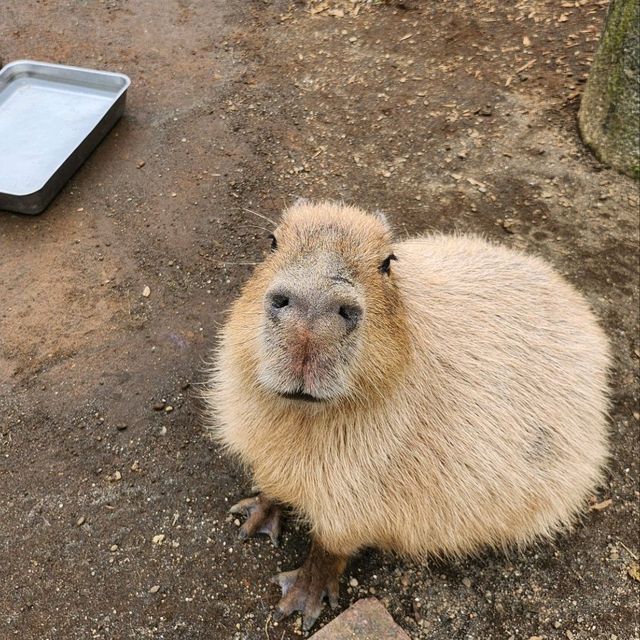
point(454, 116)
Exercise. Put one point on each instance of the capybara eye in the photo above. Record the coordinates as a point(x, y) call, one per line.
point(385, 267)
point(279, 301)
point(274, 242)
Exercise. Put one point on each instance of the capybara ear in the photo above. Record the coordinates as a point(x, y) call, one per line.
point(383, 218)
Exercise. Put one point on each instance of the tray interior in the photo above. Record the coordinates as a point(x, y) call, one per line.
point(45, 113)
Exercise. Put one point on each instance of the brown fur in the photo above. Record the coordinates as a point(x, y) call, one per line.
point(470, 411)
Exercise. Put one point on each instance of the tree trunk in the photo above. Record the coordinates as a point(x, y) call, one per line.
point(609, 116)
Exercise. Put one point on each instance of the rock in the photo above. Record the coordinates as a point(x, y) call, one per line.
point(80, 521)
point(367, 619)
point(487, 110)
point(155, 588)
point(146, 292)
point(466, 582)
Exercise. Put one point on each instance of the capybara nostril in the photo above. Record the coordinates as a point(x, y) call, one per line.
point(351, 314)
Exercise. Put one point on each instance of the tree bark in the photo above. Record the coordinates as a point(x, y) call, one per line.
point(609, 116)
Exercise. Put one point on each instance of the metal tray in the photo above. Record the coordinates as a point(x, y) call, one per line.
point(51, 118)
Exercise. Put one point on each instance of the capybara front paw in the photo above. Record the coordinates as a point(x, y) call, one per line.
point(262, 516)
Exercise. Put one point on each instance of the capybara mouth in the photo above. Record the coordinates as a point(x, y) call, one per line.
point(299, 395)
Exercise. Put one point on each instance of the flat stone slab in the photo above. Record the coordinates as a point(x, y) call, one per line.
point(367, 619)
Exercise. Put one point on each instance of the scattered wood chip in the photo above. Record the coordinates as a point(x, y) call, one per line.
point(599, 506)
point(526, 66)
point(476, 183)
point(526, 42)
point(634, 571)
point(409, 35)
point(624, 546)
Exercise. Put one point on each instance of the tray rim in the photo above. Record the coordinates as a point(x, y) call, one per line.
point(55, 65)
point(117, 95)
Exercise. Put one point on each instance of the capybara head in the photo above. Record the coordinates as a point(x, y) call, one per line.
point(329, 304)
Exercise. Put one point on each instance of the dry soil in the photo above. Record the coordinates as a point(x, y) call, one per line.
point(452, 116)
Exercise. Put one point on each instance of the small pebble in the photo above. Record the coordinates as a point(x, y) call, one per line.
point(466, 582)
point(353, 582)
point(158, 406)
point(81, 520)
point(121, 427)
point(155, 588)
point(146, 292)
point(113, 548)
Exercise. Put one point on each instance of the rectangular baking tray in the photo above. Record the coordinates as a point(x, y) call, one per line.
point(51, 118)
